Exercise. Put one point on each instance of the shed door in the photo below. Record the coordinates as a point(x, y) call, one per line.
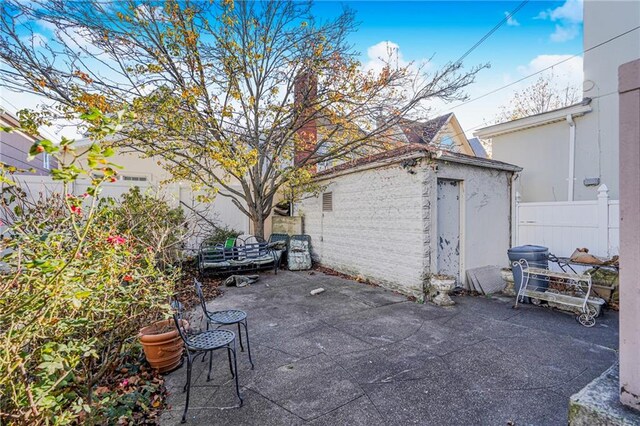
point(448, 211)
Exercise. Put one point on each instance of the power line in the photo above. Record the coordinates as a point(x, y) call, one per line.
point(45, 131)
point(544, 69)
point(493, 30)
point(464, 131)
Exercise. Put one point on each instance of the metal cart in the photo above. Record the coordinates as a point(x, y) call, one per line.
point(567, 289)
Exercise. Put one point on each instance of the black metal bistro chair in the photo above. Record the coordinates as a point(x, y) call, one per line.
point(226, 317)
point(201, 343)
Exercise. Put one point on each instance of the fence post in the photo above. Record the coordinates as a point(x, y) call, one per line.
point(516, 221)
point(603, 220)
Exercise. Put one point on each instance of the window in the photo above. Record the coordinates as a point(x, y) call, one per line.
point(135, 178)
point(46, 161)
point(327, 202)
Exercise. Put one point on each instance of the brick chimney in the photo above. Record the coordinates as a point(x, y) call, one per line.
point(305, 92)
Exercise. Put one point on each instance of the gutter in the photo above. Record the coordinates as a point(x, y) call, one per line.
point(572, 156)
point(542, 119)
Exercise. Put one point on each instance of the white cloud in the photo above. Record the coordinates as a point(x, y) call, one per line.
point(35, 39)
point(562, 34)
point(568, 18)
point(511, 21)
point(388, 53)
point(383, 53)
point(567, 72)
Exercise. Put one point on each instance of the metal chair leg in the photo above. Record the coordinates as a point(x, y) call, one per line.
point(188, 389)
point(235, 365)
point(246, 336)
point(240, 338)
point(210, 363)
point(230, 365)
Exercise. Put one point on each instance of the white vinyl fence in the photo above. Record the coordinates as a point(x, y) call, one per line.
point(221, 211)
point(564, 226)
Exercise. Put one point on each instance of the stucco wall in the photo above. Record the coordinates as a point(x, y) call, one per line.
point(543, 153)
point(377, 228)
point(384, 225)
point(486, 211)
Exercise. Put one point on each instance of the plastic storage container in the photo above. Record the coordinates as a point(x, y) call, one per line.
point(537, 257)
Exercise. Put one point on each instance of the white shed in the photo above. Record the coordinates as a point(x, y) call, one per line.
point(399, 216)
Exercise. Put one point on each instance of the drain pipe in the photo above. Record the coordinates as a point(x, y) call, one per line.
point(572, 156)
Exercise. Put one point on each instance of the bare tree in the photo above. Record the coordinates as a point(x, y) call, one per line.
point(240, 98)
point(542, 96)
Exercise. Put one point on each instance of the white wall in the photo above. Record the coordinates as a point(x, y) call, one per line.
point(597, 142)
point(377, 228)
point(543, 153)
point(486, 214)
point(384, 225)
point(221, 211)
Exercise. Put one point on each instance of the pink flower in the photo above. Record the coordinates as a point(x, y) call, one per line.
point(116, 239)
point(128, 278)
point(124, 383)
point(77, 210)
point(85, 195)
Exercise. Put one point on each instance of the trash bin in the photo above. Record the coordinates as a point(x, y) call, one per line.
point(537, 257)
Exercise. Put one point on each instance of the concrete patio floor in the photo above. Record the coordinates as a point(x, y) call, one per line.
point(360, 355)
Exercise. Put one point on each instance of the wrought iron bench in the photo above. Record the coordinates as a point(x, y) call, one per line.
point(216, 259)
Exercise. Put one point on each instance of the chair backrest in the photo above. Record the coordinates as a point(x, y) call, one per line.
point(177, 319)
point(302, 237)
point(198, 285)
point(279, 237)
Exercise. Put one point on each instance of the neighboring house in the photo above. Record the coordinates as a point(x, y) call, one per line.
point(15, 145)
point(147, 172)
point(399, 216)
point(442, 132)
point(568, 153)
point(569, 188)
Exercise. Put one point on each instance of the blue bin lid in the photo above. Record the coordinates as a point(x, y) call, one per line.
point(528, 249)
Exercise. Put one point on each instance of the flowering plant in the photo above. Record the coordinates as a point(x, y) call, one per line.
point(75, 287)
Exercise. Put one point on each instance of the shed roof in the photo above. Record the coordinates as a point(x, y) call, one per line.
point(416, 150)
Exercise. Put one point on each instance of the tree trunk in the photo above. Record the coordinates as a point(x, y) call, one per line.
point(258, 226)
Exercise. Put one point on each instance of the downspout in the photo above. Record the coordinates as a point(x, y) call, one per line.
point(572, 156)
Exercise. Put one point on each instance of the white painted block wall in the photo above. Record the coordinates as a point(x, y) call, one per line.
point(378, 227)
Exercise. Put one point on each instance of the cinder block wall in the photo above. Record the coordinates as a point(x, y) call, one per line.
point(378, 227)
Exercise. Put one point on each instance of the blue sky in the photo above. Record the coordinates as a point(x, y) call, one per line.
point(540, 34)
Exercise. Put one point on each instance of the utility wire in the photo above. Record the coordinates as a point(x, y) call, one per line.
point(464, 131)
point(544, 69)
point(45, 131)
point(493, 30)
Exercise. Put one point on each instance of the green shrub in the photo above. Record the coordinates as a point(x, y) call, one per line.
point(76, 285)
point(152, 222)
point(221, 234)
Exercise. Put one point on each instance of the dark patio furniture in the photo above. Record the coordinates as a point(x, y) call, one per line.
point(279, 242)
point(226, 317)
point(216, 259)
point(201, 343)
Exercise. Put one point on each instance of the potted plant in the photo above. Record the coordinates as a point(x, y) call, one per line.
point(440, 286)
point(162, 344)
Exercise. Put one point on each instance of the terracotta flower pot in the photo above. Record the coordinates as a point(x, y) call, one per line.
point(163, 349)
